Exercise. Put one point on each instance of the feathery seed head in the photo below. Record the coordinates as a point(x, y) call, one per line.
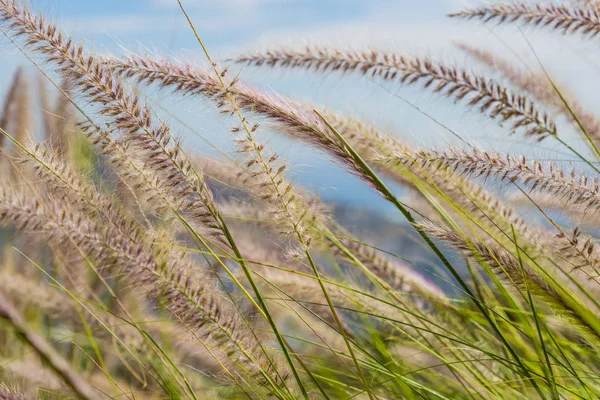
point(485, 94)
point(563, 18)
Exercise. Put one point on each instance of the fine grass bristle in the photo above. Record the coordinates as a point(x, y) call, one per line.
point(485, 94)
point(541, 88)
point(563, 18)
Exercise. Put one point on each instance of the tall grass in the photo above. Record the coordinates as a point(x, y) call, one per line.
point(134, 268)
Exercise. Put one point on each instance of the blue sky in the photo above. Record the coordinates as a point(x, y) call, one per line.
point(231, 24)
point(409, 26)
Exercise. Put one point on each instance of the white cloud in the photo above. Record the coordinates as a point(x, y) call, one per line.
point(145, 24)
point(120, 24)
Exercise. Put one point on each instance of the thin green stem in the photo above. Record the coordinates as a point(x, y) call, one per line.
point(388, 195)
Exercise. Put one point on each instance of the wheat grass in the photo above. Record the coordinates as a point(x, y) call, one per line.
point(541, 88)
point(161, 273)
point(10, 102)
point(584, 20)
point(8, 394)
point(573, 186)
point(46, 352)
point(480, 92)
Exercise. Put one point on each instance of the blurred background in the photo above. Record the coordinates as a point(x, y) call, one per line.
point(411, 114)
